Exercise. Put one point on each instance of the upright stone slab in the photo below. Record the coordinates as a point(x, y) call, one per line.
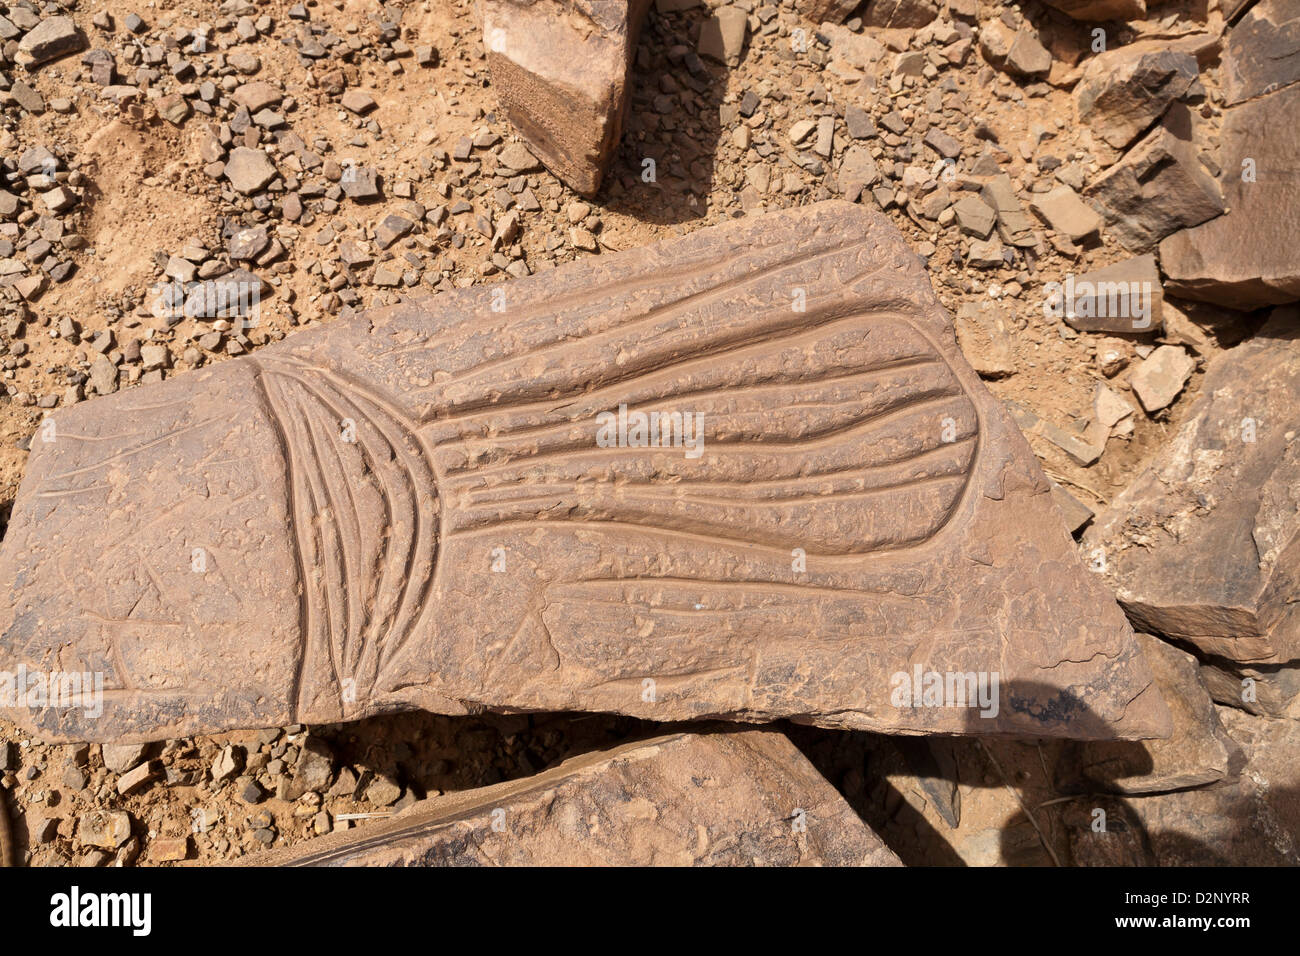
point(1248, 258)
point(560, 69)
point(719, 799)
point(465, 503)
point(1204, 546)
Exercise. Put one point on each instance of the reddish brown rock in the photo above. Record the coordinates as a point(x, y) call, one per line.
point(1248, 258)
point(899, 13)
point(560, 68)
point(822, 11)
point(1199, 751)
point(720, 799)
point(1262, 52)
point(1095, 10)
point(1228, 824)
point(1123, 91)
point(1158, 187)
point(459, 504)
point(1204, 546)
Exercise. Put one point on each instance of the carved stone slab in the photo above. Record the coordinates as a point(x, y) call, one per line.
point(453, 506)
point(561, 71)
point(719, 799)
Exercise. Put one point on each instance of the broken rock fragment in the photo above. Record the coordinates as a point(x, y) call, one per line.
point(1200, 751)
point(1262, 52)
point(1161, 376)
point(50, 39)
point(560, 68)
point(1248, 258)
point(1201, 547)
point(1124, 297)
point(1096, 10)
point(741, 473)
point(717, 799)
point(1123, 91)
point(1158, 187)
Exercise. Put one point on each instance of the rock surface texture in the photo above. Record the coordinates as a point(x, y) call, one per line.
point(721, 799)
point(1248, 258)
point(560, 68)
point(1204, 547)
point(457, 505)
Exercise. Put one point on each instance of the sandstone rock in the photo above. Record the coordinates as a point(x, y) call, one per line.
point(821, 11)
point(1013, 222)
point(169, 849)
point(560, 68)
point(1272, 749)
point(1158, 187)
point(1027, 56)
point(1161, 376)
point(1199, 752)
point(984, 341)
point(1125, 296)
point(1249, 257)
point(1262, 52)
point(974, 216)
point(718, 799)
point(257, 96)
point(851, 496)
point(1066, 213)
point(358, 101)
point(908, 14)
point(1097, 10)
point(722, 36)
point(50, 39)
point(106, 829)
point(1228, 824)
point(1074, 512)
point(1266, 689)
point(1123, 91)
point(1073, 445)
point(1201, 547)
point(857, 169)
point(119, 758)
point(311, 771)
point(249, 170)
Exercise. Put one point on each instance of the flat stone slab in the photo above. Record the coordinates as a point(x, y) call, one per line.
point(460, 504)
point(1202, 546)
point(560, 69)
point(718, 799)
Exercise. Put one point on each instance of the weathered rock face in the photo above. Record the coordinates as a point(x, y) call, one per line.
point(1248, 258)
point(1225, 824)
point(50, 39)
point(1272, 748)
point(1231, 823)
point(899, 13)
point(1199, 752)
point(718, 799)
point(1124, 297)
point(560, 68)
point(466, 503)
point(1095, 10)
point(824, 11)
point(1205, 545)
point(1262, 52)
point(1123, 91)
point(1158, 187)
